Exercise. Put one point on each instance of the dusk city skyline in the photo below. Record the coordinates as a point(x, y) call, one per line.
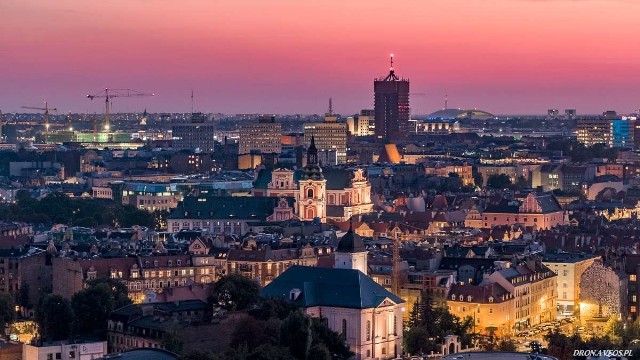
point(504, 56)
point(319, 180)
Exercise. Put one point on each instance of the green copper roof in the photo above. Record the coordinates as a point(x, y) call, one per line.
point(342, 288)
point(225, 207)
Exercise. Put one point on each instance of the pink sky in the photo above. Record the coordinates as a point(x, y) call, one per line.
point(290, 56)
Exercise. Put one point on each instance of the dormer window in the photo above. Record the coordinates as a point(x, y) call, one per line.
point(178, 262)
point(461, 298)
point(293, 294)
point(469, 298)
point(155, 263)
point(490, 299)
point(170, 263)
point(453, 297)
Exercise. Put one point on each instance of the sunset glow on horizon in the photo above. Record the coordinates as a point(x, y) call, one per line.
point(290, 56)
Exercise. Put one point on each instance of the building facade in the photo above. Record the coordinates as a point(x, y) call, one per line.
point(391, 106)
point(264, 137)
point(370, 325)
point(569, 268)
point(329, 135)
point(196, 135)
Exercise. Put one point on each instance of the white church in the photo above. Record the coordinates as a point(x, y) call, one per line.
point(365, 314)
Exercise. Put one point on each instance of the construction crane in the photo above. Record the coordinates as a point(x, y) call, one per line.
point(46, 110)
point(109, 94)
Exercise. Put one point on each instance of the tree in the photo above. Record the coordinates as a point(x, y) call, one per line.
point(23, 296)
point(295, 334)
point(249, 332)
point(92, 307)
point(55, 317)
point(499, 181)
point(521, 183)
point(119, 292)
point(507, 345)
point(319, 352)
point(429, 324)
point(336, 344)
point(235, 292)
point(416, 341)
point(270, 352)
point(7, 310)
point(478, 180)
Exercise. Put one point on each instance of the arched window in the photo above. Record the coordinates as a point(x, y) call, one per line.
point(310, 193)
point(368, 330)
point(344, 329)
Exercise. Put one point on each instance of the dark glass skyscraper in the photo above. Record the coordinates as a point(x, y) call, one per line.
point(391, 106)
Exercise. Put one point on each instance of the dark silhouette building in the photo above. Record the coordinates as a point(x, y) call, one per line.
point(391, 108)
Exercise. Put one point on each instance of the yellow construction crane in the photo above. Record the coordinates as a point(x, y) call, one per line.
point(108, 94)
point(46, 110)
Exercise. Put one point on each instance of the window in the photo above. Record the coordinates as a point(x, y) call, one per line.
point(58, 356)
point(50, 356)
point(310, 193)
point(344, 329)
point(368, 330)
point(564, 294)
point(632, 277)
point(490, 311)
point(633, 309)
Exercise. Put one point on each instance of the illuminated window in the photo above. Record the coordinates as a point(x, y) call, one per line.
point(632, 277)
point(633, 309)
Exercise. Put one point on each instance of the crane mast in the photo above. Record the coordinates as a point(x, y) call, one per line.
point(109, 94)
point(46, 110)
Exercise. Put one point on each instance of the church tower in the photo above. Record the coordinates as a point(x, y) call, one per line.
point(351, 253)
point(312, 189)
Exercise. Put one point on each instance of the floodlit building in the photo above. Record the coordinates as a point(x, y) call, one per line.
point(391, 106)
point(569, 268)
point(263, 137)
point(328, 135)
point(366, 315)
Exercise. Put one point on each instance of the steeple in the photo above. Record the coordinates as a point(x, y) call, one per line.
point(312, 153)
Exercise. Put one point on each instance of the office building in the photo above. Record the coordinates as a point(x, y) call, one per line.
point(263, 137)
point(361, 124)
point(196, 135)
point(622, 133)
point(594, 131)
point(391, 106)
point(329, 135)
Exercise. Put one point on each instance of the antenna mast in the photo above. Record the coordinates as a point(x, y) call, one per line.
point(192, 107)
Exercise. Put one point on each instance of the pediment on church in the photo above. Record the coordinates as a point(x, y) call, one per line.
point(386, 302)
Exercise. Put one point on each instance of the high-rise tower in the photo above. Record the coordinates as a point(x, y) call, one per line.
point(391, 106)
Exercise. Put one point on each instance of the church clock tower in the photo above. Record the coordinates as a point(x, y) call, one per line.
point(351, 253)
point(311, 199)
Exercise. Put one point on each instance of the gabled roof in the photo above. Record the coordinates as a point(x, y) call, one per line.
point(340, 288)
point(226, 207)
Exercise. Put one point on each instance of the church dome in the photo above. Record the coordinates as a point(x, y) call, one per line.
point(351, 243)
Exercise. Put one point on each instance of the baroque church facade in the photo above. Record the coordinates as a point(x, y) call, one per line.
point(325, 194)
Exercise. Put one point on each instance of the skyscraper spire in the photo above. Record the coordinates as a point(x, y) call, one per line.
point(392, 74)
point(446, 101)
point(330, 107)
